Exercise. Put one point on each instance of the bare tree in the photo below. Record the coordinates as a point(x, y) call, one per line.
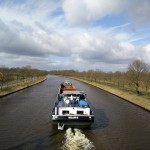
point(1, 79)
point(146, 81)
point(135, 71)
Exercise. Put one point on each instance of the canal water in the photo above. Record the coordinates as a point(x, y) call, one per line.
point(25, 121)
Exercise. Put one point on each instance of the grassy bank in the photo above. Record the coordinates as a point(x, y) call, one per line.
point(23, 85)
point(138, 100)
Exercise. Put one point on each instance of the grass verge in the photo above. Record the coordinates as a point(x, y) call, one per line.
point(14, 89)
point(138, 100)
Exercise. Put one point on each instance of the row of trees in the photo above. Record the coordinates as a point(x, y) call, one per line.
point(135, 79)
point(17, 75)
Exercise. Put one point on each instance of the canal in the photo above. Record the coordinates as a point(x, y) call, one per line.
point(25, 121)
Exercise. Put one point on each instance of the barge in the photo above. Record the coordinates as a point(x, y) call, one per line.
point(71, 108)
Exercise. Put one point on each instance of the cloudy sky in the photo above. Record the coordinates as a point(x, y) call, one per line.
point(74, 34)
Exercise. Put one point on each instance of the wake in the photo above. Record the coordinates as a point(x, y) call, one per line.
point(76, 140)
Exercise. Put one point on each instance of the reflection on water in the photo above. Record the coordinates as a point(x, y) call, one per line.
point(76, 140)
point(100, 120)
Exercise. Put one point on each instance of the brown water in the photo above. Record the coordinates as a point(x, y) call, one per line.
point(25, 121)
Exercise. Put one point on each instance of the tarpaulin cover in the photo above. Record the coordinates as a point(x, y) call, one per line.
point(83, 103)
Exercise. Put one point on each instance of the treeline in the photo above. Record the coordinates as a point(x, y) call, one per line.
point(9, 76)
point(135, 79)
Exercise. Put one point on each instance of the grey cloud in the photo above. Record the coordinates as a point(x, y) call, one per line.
point(139, 10)
point(82, 48)
point(82, 12)
point(12, 60)
point(14, 43)
point(110, 51)
point(21, 41)
point(19, 26)
point(43, 27)
point(3, 27)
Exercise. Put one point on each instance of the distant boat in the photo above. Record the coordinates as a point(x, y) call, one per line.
point(71, 108)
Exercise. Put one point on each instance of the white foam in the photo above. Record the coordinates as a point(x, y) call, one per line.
point(76, 140)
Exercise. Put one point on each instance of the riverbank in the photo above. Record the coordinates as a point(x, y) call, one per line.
point(16, 88)
point(138, 100)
